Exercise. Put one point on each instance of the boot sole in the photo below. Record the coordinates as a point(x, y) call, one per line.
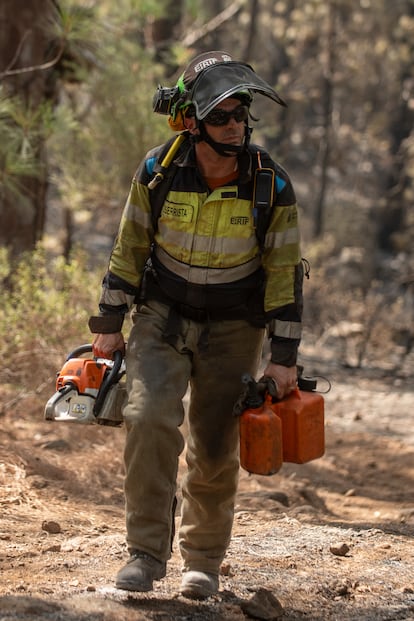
point(195, 591)
point(142, 587)
point(131, 586)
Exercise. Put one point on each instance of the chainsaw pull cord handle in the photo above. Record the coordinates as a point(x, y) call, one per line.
point(109, 380)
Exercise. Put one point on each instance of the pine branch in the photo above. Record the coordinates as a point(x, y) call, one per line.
point(47, 65)
point(213, 24)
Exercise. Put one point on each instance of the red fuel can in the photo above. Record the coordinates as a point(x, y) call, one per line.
point(261, 439)
point(303, 425)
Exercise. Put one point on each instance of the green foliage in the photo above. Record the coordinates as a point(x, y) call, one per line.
point(105, 125)
point(24, 127)
point(21, 130)
point(44, 314)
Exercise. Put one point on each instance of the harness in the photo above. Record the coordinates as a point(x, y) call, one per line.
point(266, 183)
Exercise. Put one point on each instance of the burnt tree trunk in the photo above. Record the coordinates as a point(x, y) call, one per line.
point(26, 47)
point(397, 181)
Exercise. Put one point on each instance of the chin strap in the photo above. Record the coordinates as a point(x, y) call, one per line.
point(226, 150)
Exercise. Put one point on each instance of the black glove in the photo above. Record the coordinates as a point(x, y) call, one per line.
point(254, 394)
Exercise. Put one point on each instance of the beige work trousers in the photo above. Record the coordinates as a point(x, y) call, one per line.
point(158, 375)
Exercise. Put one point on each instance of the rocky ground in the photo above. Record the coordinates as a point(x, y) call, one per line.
point(331, 539)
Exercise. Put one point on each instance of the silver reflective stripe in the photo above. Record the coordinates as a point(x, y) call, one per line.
point(116, 297)
point(204, 243)
point(135, 213)
point(286, 329)
point(206, 275)
point(280, 239)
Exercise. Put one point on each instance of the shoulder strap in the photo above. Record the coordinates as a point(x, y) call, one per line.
point(164, 170)
point(263, 196)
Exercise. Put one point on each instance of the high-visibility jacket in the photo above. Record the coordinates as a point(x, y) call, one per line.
point(205, 252)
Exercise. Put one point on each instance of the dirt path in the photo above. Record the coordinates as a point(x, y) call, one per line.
point(332, 539)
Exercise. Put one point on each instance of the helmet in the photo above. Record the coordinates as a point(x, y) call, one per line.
point(207, 80)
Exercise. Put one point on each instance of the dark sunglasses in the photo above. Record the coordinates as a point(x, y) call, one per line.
point(219, 116)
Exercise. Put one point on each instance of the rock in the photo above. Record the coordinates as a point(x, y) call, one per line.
point(341, 588)
point(38, 482)
point(55, 548)
point(51, 527)
point(339, 549)
point(225, 569)
point(263, 605)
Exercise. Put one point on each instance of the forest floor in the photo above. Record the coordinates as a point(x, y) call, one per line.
point(330, 539)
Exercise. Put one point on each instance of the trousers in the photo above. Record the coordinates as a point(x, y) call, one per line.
point(158, 375)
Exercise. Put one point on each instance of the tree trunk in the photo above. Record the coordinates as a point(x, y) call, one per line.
point(26, 41)
point(327, 104)
point(165, 32)
point(251, 33)
point(397, 181)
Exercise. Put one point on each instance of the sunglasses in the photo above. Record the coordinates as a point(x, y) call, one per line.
point(219, 116)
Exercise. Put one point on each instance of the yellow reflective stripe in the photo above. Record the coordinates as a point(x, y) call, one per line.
point(206, 275)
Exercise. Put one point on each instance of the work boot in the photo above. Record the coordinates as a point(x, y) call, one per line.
point(199, 585)
point(140, 572)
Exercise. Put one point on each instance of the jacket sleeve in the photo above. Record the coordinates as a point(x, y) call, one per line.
point(284, 275)
point(130, 251)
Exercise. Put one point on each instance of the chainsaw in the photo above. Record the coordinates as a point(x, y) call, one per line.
point(88, 390)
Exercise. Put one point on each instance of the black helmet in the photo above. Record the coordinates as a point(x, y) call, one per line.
point(207, 80)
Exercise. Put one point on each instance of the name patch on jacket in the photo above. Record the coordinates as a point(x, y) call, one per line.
point(243, 220)
point(181, 212)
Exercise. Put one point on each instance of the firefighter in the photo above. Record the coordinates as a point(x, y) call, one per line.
point(204, 289)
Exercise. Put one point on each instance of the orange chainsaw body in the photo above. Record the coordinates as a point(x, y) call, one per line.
point(86, 374)
point(88, 390)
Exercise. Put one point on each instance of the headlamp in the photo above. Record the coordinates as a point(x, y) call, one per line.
point(165, 99)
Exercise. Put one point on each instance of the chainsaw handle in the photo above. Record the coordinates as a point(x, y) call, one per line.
point(109, 380)
point(82, 349)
